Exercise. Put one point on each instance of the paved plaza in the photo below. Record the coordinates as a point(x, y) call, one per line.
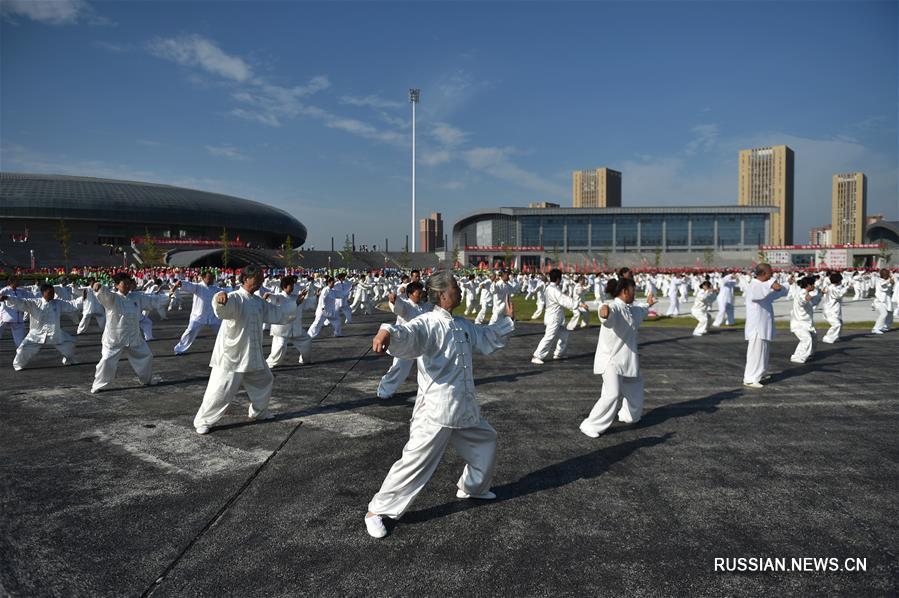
point(114, 494)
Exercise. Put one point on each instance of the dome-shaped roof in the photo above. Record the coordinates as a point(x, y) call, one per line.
point(84, 198)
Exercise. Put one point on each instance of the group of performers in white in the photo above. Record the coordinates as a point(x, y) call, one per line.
point(426, 334)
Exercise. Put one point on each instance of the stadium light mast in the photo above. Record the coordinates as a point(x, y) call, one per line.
point(414, 96)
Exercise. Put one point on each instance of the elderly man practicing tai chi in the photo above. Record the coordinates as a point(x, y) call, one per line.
point(237, 358)
point(201, 314)
point(555, 338)
point(44, 328)
point(446, 411)
point(617, 361)
point(759, 332)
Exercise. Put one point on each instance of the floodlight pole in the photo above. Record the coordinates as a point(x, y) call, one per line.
point(414, 95)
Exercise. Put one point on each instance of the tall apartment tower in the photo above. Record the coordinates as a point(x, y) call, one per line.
point(766, 179)
point(596, 188)
point(848, 216)
point(430, 232)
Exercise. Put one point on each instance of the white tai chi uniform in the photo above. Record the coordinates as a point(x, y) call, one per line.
point(802, 324)
point(759, 331)
point(883, 303)
point(292, 333)
point(502, 292)
point(540, 293)
point(122, 335)
point(617, 361)
point(201, 313)
point(446, 411)
point(725, 301)
point(579, 317)
point(555, 339)
point(12, 318)
point(405, 310)
point(44, 329)
point(91, 308)
point(471, 298)
point(485, 294)
point(702, 305)
point(237, 359)
point(342, 301)
point(832, 306)
point(326, 313)
point(674, 297)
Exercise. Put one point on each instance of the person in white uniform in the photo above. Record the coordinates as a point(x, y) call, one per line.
point(617, 361)
point(502, 296)
point(555, 338)
point(201, 312)
point(674, 296)
point(725, 313)
point(10, 317)
point(802, 321)
point(540, 293)
point(406, 309)
point(326, 311)
point(702, 306)
point(237, 359)
point(122, 334)
point(883, 301)
point(832, 306)
point(90, 309)
point(44, 329)
point(760, 295)
point(446, 410)
point(471, 295)
point(485, 296)
point(293, 333)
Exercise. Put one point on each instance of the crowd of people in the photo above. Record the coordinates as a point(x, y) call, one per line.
point(242, 306)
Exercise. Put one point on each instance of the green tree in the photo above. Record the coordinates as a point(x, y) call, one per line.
point(658, 254)
point(288, 252)
point(507, 255)
point(454, 257)
point(346, 255)
point(884, 255)
point(65, 240)
point(763, 257)
point(226, 251)
point(149, 252)
point(708, 257)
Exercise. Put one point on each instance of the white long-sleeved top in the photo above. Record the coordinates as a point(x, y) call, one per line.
point(201, 310)
point(123, 316)
point(832, 300)
point(726, 289)
point(43, 316)
point(617, 343)
point(406, 309)
point(883, 292)
point(556, 304)
point(294, 327)
point(327, 303)
point(802, 314)
point(238, 345)
point(9, 313)
point(443, 345)
point(760, 309)
point(702, 302)
point(91, 305)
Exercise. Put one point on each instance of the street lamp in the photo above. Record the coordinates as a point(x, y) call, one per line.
point(414, 96)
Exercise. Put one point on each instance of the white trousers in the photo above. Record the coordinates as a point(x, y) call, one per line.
point(703, 318)
point(146, 327)
point(620, 396)
point(396, 375)
point(579, 317)
point(321, 320)
point(27, 350)
point(555, 341)
point(139, 356)
point(673, 306)
point(421, 455)
point(190, 335)
point(482, 313)
point(757, 351)
point(347, 313)
point(541, 303)
point(497, 314)
point(806, 347)
point(18, 331)
point(726, 310)
point(86, 320)
point(884, 317)
point(471, 303)
point(223, 386)
point(303, 345)
point(833, 333)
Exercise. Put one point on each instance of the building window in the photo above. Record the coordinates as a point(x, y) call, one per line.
point(703, 231)
point(553, 232)
point(754, 230)
point(728, 231)
point(651, 231)
point(677, 231)
point(626, 232)
point(601, 232)
point(577, 232)
point(530, 231)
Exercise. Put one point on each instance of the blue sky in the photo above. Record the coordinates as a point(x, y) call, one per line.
point(304, 105)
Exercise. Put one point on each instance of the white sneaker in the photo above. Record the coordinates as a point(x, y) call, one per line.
point(796, 360)
point(536, 361)
point(375, 526)
point(877, 332)
point(589, 433)
point(203, 430)
point(485, 496)
point(558, 357)
point(752, 385)
point(264, 416)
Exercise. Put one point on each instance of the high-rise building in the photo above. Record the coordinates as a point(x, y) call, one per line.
point(543, 204)
point(430, 231)
point(596, 188)
point(820, 235)
point(849, 206)
point(766, 179)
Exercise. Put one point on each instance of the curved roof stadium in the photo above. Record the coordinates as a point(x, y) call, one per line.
point(883, 231)
point(36, 197)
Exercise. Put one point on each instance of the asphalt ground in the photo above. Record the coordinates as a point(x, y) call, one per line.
point(114, 494)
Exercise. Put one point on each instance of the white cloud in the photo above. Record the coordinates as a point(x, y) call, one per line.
point(434, 157)
point(371, 101)
point(225, 151)
point(111, 47)
point(448, 135)
point(496, 162)
point(705, 138)
point(198, 51)
point(55, 12)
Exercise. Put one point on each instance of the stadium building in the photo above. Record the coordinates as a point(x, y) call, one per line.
point(532, 238)
point(105, 217)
